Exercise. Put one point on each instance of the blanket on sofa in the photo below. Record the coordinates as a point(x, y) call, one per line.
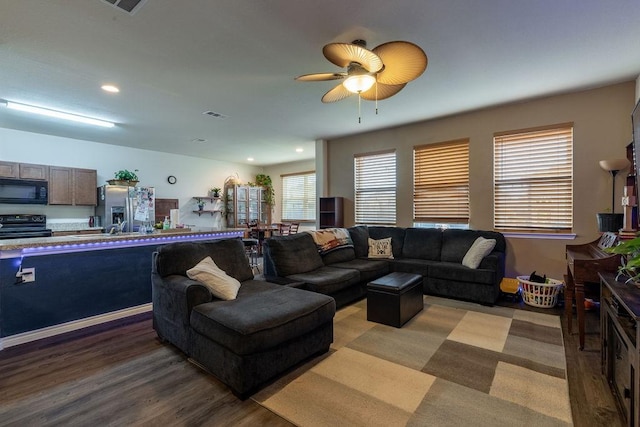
point(330, 239)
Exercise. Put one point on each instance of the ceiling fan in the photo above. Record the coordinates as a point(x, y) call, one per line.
point(372, 74)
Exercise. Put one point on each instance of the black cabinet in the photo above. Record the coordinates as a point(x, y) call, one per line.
point(331, 212)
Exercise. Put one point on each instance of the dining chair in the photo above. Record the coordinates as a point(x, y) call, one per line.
point(285, 229)
point(294, 227)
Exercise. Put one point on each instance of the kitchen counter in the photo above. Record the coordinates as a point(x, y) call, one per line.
point(80, 280)
point(112, 240)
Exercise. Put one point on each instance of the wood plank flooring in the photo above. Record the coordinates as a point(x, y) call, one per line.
point(120, 374)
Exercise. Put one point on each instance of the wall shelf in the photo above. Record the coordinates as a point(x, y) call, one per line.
point(205, 211)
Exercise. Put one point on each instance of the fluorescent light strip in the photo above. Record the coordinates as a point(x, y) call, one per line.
point(58, 114)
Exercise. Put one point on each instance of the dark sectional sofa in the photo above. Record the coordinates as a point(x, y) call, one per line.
point(244, 342)
point(344, 272)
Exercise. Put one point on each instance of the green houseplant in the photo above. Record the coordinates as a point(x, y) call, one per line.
point(124, 177)
point(629, 271)
point(269, 194)
point(215, 192)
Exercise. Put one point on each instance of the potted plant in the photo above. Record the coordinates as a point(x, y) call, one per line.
point(629, 271)
point(269, 193)
point(124, 177)
point(201, 203)
point(215, 192)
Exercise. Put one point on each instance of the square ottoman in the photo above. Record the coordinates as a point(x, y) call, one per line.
point(394, 299)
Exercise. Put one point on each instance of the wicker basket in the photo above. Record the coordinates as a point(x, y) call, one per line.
point(540, 294)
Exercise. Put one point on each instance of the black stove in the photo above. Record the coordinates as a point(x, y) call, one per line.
point(22, 226)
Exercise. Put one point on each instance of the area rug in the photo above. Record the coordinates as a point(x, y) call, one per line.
point(453, 364)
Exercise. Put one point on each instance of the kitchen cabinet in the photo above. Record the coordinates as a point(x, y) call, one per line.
point(163, 208)
point(331, 212)
point(24, 171)
point(71, 186)
point(244, 204)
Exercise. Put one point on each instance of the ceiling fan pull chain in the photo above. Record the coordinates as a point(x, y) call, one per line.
point(376, 95)
point(359, 114)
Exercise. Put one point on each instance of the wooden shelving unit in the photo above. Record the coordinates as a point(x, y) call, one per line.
point(211, 199)
point(331, 212)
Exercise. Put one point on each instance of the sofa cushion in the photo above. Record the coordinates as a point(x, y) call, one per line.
point(412, 265)
point(459, 273)
point(294, 254)
point(228, 254)
point(327, 280)
point(215, 279)
point(480, 248)
point(263, 316)
point(396, 234)
point(422, 243)
point(369, 268)
point(360, 237)
point(339, 255)
point(380, 248)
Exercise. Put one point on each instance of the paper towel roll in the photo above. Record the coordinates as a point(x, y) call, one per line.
point(174, 216)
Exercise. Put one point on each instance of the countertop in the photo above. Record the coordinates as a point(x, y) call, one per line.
point(57, 241)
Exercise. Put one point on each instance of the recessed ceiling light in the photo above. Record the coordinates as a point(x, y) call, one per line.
point(299, 150)
point(250, 159)
point(110, 88)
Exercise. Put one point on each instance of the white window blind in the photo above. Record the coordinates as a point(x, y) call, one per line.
point(533, 179)
point(441, 182)
point(375, 188)
point(299, 197)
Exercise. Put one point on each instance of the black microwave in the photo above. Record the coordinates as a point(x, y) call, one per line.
point(23, 191)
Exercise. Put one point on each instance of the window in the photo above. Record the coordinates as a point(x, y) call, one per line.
point(299, 197)
point(375, 188)
point(441, 184)
point(533, 179)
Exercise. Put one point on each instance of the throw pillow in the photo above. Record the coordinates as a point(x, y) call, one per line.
point(380, 248)
point(480, 249)
point(215, 279)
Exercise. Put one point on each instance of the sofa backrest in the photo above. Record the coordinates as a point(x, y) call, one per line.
point(228, 254)
point(456, 243)
point(360, 237)
point(292, 254)
point(422, 243)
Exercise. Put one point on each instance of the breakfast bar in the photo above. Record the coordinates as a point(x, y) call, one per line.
point(79, 280)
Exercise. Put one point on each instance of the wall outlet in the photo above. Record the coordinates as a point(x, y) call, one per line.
point(28, 275)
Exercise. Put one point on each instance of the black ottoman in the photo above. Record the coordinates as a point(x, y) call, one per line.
point(394, 299)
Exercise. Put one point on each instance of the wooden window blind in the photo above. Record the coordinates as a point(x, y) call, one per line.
point(533, 179)
point(441, 182)
point(299, 197)
point(375, 188)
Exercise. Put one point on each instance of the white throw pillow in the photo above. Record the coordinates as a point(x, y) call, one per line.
point(380, 248)
point(213, 277)
point(480, 249)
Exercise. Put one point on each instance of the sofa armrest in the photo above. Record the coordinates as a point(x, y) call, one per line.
point(494, 261)
point(175, 296)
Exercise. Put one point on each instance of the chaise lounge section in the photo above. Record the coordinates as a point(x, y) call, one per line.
point(247, 341)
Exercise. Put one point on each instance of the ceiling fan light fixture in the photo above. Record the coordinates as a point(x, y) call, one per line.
point(360, 83)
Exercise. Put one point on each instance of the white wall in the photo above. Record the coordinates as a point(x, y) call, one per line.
point(195, 176)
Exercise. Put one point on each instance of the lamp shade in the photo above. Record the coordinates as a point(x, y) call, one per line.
point(614, 164)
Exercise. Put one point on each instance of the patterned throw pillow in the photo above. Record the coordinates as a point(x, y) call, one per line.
point(380, 248)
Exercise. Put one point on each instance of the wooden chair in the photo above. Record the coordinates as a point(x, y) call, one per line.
point(284, 229)
point(294, 227)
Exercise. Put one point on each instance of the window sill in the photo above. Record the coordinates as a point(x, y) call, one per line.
point(546, 236)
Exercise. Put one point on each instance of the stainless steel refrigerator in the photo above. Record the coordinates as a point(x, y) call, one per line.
point(126, 207)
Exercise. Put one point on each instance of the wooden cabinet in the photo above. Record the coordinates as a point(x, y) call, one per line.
point(331, 212)
point(620, 338)
point(163, 208)
point(70, 186)
point(24, 171)
point(244, 204)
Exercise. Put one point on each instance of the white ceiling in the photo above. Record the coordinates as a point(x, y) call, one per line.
point(174, 60)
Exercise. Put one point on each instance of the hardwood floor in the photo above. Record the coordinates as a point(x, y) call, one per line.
point(120, 374)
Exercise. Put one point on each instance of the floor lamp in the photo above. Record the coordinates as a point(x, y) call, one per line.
point(612, 222)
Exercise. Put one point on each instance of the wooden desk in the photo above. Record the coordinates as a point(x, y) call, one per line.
point(584, 262)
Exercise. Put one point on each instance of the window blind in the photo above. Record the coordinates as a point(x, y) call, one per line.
point(375, 188)
point(533, 179)
point(299, 197)
point(441, 182)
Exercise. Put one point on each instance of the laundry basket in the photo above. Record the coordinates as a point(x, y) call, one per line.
point(540, 294)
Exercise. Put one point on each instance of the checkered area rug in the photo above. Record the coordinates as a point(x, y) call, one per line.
point(453, 364)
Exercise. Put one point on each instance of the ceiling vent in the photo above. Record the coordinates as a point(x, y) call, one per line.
point(129, 6)
point(215, 115)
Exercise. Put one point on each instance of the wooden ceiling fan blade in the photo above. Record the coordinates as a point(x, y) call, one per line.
point(338, 93)
point(403, 62)
point(343, 54)
point(320, 77)
point(384, 91)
